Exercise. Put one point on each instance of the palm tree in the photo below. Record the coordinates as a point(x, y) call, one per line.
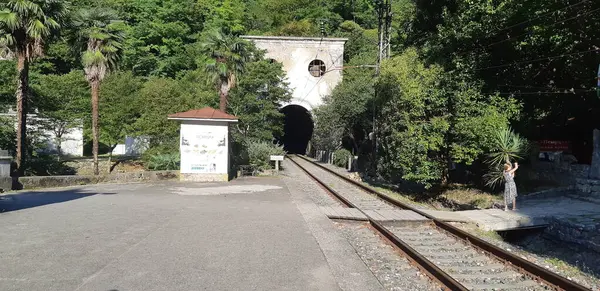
point(227, 56)
point(100, 36)
point(24, 25)
point(508, 146)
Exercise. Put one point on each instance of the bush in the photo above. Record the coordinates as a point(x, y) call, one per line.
point(340, 157)
point(259, 154)
point(42, 164)
point(164, 162)
point(162, 158)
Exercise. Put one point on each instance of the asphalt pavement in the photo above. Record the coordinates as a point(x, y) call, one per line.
point(243, 235)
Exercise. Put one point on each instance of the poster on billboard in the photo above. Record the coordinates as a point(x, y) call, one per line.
point(204, 149)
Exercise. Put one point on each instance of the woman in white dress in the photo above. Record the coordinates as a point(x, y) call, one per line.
point(510, 188)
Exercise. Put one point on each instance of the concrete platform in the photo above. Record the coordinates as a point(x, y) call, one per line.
point(448, 216)
point(342, 213)
point(244, 235)
point(531, 211)
point(395, 215)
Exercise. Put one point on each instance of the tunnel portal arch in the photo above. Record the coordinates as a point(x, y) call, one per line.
point(298, 128)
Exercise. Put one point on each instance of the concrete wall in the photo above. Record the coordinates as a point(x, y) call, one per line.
point(7, 183)
point(295, 54)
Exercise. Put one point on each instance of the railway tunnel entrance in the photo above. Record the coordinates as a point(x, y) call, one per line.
point(297, 129)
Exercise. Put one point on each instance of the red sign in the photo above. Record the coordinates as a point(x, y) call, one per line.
point(554, 145)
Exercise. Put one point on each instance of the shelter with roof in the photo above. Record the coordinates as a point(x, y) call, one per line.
point(204, 144)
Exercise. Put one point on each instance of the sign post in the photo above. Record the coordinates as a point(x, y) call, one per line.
point(277, 159)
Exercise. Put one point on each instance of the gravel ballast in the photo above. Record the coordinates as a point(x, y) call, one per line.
point(392, 270)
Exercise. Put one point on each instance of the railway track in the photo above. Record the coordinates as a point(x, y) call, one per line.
point(455, 259)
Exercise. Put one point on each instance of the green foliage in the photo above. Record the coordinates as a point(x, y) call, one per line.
point(328, 131)
point(43, 164)
point(259, 153)
point(160, 34)
point(340, 158)
point(228, 15)
point(224, 59)
point(7, 135)
point(298, 28)
point(62, 101)
point(508, 146)
point(24, 25)
point(427, 122)
point(118, 111)
point(498, 42)
point(160, 97)
point(413, 120)
point(7, 82)
point(100, 36)
point(256, 100)
point(164, 162)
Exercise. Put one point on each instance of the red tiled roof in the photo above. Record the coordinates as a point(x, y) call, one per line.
point(204, 113)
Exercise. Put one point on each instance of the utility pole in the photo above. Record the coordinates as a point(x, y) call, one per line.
point(384, 16)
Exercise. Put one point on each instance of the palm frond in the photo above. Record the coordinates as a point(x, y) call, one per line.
point(509, 146)
point(100, 35)
point(9, 19)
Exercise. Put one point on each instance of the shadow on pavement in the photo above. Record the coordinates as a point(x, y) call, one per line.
point(24, 200)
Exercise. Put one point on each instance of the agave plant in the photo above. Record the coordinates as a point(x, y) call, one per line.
point(164, 162)
point(508, 146)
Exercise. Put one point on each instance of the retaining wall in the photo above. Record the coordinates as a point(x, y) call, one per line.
point(8, 183)
point(584, 232)
point(588, 186)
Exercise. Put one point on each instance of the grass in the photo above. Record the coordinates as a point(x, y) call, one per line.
point(567, 268)
point(470, 197)
point(490, 234)
point(402, 197)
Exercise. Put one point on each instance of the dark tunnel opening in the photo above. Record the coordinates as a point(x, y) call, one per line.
point(297, 129)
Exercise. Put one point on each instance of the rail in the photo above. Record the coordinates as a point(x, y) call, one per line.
point(525, 266)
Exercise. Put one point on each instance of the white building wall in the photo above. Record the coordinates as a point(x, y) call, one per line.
point(72, 140)
point(295, 54)
point(133, 146)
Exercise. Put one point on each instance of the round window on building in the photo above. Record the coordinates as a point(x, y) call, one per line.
point(316, 68)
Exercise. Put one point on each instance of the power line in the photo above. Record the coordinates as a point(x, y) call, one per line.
point(494, 32)
point(545, 88)
point(540, 16)
point(541, 93)
point(550, 25)
point(538, 60)
point(318, 81)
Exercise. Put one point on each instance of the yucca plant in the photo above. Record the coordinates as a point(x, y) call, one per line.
point(164, 162)
point(508, 147)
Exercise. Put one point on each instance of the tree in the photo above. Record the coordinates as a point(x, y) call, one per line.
point(101, 35)
point(61, 103)
point(428, 121)
point(542, 52)
point(24, 26)
point(118, 111)
point(162, 96)
point(256, 101)
point(226, 57)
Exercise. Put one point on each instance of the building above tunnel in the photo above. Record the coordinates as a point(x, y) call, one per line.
point(313, 65)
